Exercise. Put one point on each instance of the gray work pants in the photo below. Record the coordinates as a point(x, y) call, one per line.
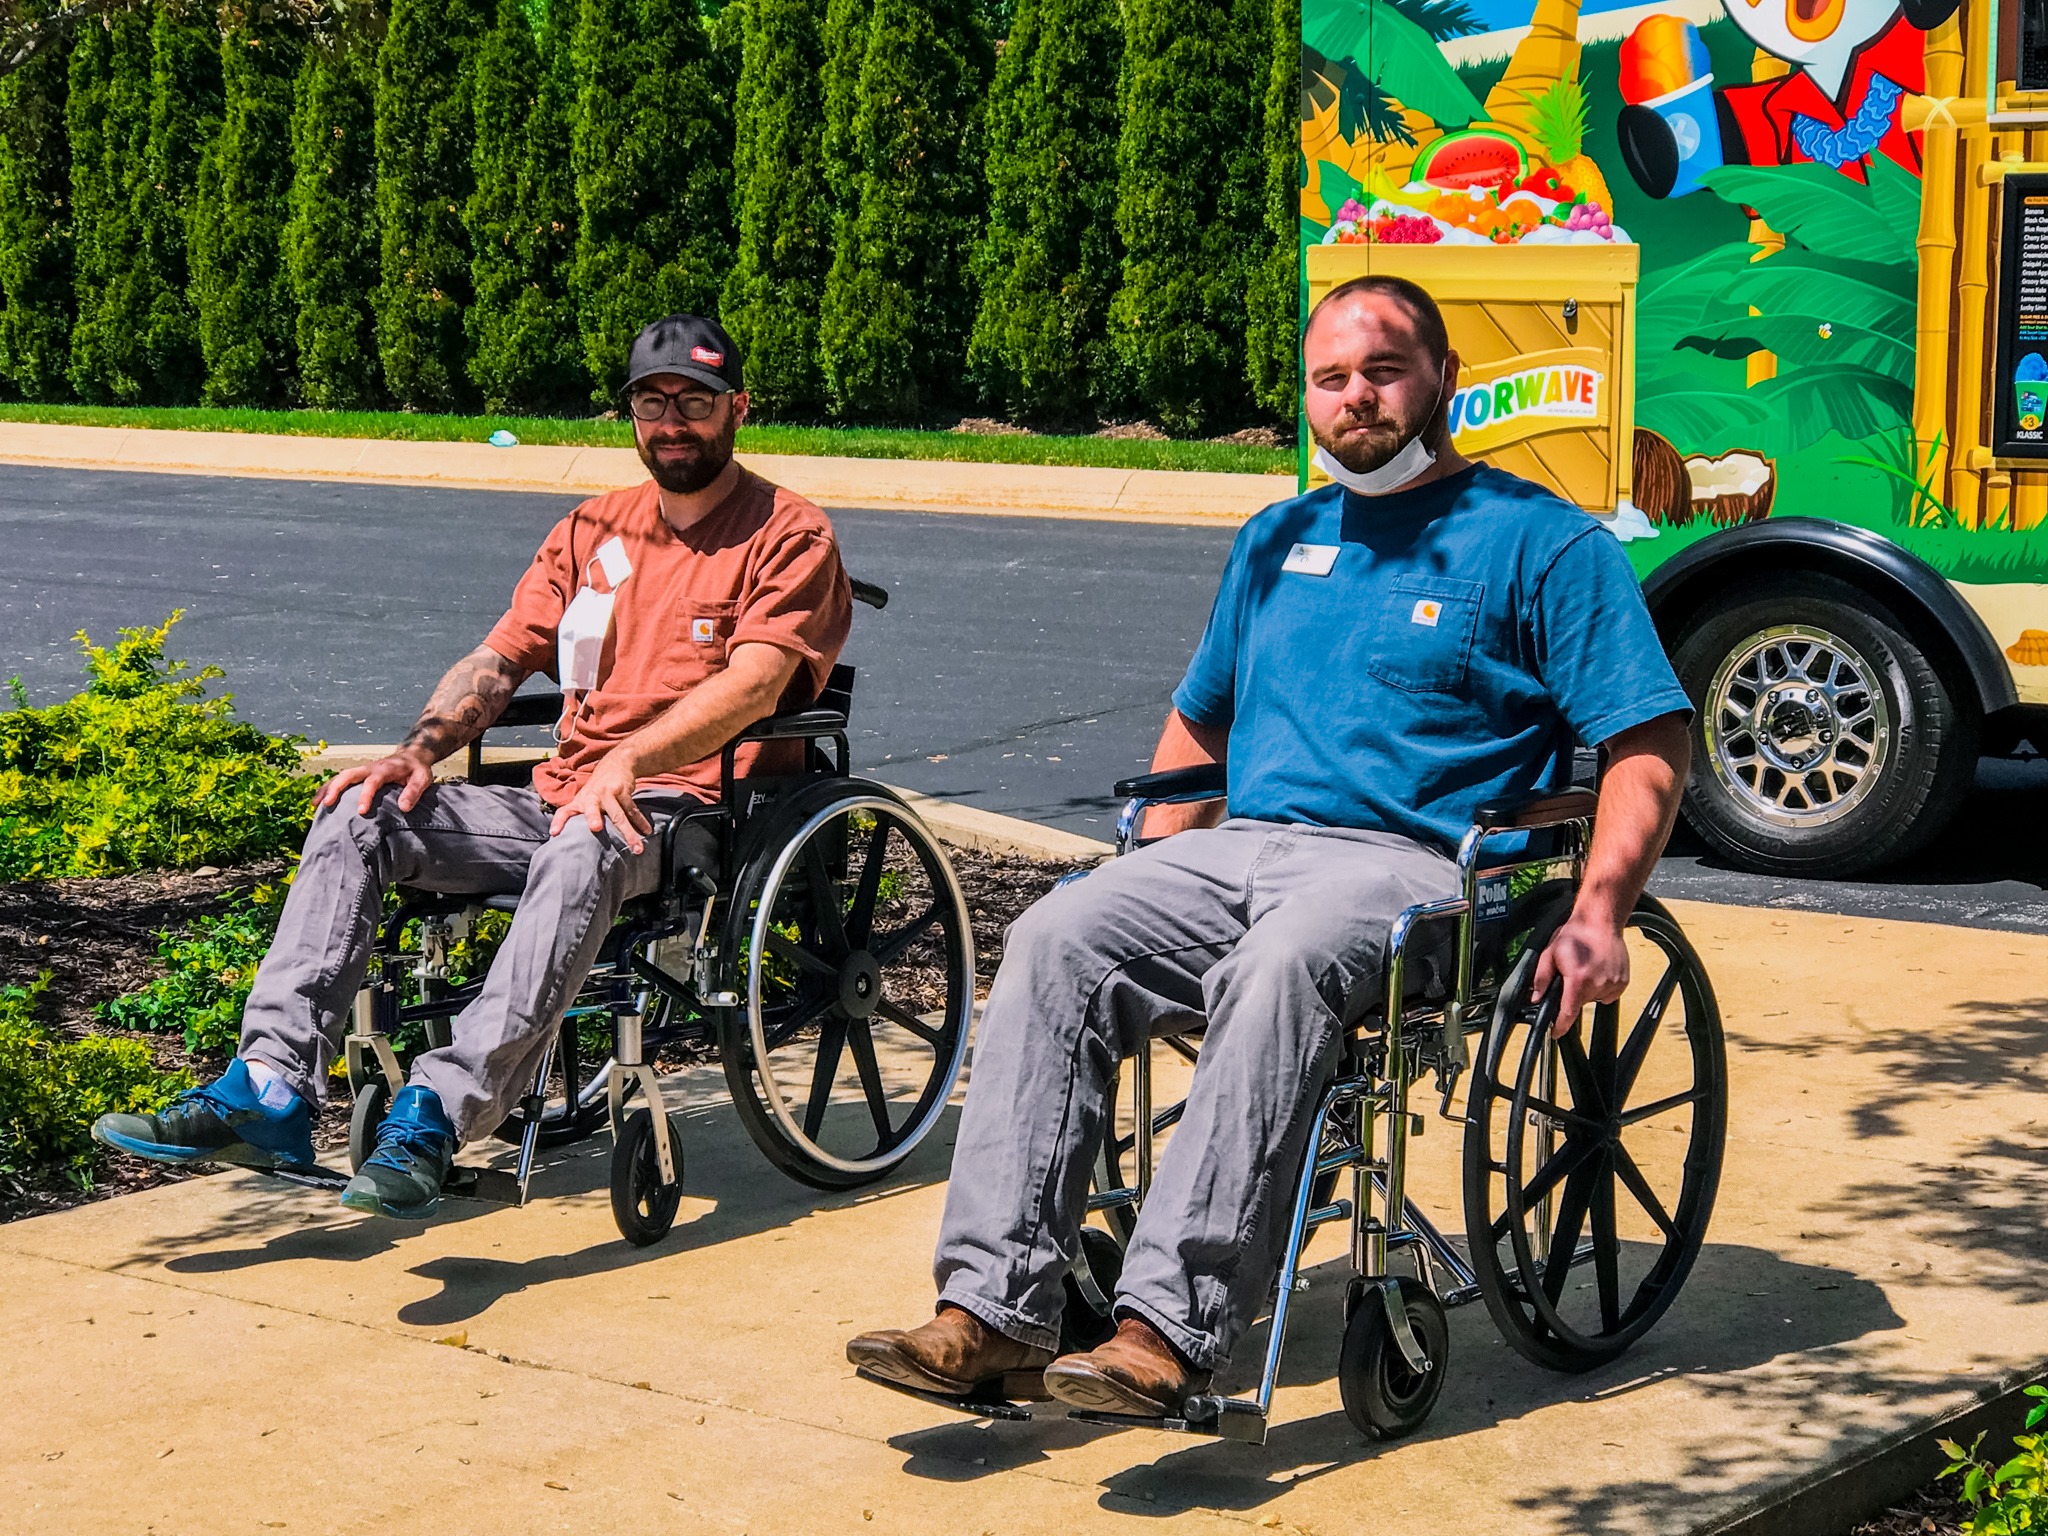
point(1276, 935)
point(461, 840)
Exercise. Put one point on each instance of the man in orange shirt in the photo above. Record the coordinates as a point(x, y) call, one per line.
point(674, 615)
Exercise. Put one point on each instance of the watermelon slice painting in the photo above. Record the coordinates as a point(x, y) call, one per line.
point(1478, 158)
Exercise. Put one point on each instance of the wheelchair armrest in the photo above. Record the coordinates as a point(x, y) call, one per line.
point(528, 709)
point(1538, 811)
point(867, 592)
point(1203, 781)
point(800, 725)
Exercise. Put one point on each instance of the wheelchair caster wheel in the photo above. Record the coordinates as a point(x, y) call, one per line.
point(373, 1101)
point(1385, 1397)
point(1085, 1320)
point(642, 1205)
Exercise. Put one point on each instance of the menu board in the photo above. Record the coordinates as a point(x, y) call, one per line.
point(2020, 385)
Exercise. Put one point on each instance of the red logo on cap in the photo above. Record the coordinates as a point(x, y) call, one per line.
point(707, 356)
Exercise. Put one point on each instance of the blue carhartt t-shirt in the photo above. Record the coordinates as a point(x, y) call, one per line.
point(1395, 662)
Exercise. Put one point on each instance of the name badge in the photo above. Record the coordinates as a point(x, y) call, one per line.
point(1311, 559)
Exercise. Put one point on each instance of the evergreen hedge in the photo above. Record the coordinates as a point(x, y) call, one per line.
point(185, 101)
point(35, 227)
point(107, 117)
point(525, 353)
point(653, 156)
point(247, 318)
point(1272, 338)
point(1048, 261)
point(425, 129)
point(330, 238)
point(893, 333)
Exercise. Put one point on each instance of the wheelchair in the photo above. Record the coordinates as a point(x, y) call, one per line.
point(808, 926)
point(1577, 1236)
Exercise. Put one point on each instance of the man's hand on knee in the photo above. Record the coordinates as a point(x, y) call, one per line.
point(408, 768)
point(607, 795)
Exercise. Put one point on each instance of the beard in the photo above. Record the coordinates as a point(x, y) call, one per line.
point(1363, 444)
point(683, 463)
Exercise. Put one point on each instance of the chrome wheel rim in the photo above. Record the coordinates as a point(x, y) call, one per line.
point(1798, 730)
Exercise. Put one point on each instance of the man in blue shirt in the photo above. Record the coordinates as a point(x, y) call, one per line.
point(1386, 654)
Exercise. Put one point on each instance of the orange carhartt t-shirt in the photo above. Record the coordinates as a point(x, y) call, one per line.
point(763, 566)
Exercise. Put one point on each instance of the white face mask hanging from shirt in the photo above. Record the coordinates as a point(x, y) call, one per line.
point(1409, 461)
point(579, 638)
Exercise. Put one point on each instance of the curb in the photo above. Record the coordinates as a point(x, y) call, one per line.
point(1846, 1493)
point(1193, 497)
point(961, 825)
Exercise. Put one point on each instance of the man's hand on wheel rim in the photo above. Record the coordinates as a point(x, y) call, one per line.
point(412, 771)
point(607, 795)
point(1589, 958)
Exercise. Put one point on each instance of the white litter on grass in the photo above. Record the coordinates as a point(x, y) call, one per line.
point(503, 439)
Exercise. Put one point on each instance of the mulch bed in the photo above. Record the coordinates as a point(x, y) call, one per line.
point(1930, 1512)
point(98, 940)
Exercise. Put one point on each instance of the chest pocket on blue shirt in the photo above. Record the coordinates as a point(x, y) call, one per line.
point(1422, 636)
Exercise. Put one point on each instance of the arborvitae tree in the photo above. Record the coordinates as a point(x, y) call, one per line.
point(107, 116)
point(524, 349)
point(35, 225)
point(893, 334)
point(653, 151)
point(1189, 194)
point(247, 317)
point(426, 125)
point(330, 242)
point(782, 207)
point(1273, 329)
point(185, 95)
point(846, 46)
point(1048, 262)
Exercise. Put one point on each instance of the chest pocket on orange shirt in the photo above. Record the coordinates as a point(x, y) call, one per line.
point(701, 638)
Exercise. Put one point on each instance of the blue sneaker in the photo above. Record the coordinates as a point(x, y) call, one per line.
point(415, 1148)
point(221, 1122)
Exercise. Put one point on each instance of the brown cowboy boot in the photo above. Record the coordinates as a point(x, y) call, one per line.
point(1135, 1372)
point(956, 1354)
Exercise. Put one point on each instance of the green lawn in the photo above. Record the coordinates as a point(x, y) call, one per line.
point(853, 442)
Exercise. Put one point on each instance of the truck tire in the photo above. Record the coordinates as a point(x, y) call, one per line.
point(1825, 740)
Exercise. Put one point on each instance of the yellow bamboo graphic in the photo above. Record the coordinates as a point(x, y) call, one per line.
point(1768, 242)
point(1933, 431)
point(1973, 281)
point(1548, 54)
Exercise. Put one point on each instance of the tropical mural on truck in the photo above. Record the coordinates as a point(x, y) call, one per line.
point(1764, 160)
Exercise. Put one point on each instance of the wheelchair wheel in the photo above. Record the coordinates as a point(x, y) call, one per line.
point(1116, 1160)
point(854, 959)
point(373, 1100)
point(1614, 1138)
point(1085, 1319)
point(575, 1105)
point(642, 1205)
point(1385, 1397)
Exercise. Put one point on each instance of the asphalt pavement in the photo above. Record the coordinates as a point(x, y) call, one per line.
point(1022, 665)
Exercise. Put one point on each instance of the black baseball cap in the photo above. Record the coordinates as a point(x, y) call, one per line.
point(688, 345)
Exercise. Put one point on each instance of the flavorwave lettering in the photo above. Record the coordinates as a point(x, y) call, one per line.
point(1564, 392)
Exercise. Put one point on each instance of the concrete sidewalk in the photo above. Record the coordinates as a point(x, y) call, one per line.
point(924, 485)
point(224, 1354)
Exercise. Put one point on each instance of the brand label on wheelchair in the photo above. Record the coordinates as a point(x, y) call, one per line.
point(1492, 899)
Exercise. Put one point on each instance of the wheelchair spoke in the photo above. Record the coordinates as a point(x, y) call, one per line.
point(1563, 1117)
point(1663, 1106)
point(1564, 1240)
point(1600, 1052)
point(1561, 1163)
point(825, 900)
point(798, 956)
point(1645, 1032)
point(863, 1044)
point(1578, 1074)
point(1606, 1246)
point(831, 1038)
point(805, 1011)
point(903, 1018)
point(860, 921)
point(887, 951)
point(1646, 1197)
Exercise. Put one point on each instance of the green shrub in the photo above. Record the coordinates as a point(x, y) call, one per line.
point(142, 771)
point(185, 100)
point(35, 229)
point(1047, 263)
point(210, 965)
point(107, 117)
point(2008, 1499)
point(1272, 332)
point(330, 240)
point(52, 1089)
point(239, 282)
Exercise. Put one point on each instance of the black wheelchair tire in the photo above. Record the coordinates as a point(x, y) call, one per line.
point(825, 809)
point(1082, 1325)
point(373, 1101)
point(1385, 1398)
point(642, 1205)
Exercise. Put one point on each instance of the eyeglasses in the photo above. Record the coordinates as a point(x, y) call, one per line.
point(653, 404)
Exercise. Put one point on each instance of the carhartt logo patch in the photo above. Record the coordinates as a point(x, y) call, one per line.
point(1427, 611)
point(708, 356)
point(703, 631)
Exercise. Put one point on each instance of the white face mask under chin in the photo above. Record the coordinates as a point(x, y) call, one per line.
point(1410, 461)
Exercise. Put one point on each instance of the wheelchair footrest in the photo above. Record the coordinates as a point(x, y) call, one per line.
point(315, 1177)
point(1233, 1419)
point(492, 1184)
point(974, 1408)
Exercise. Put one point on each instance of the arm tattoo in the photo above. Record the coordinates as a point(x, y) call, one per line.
point(467, 700)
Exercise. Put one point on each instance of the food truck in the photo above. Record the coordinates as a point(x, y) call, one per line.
point(1763, 286)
